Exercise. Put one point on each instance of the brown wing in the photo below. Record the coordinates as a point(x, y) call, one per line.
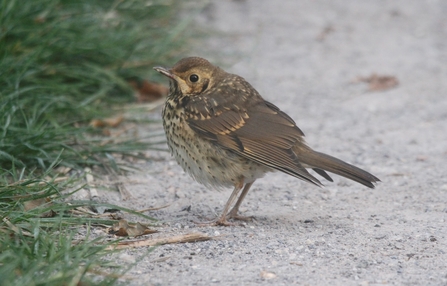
point(259, 132)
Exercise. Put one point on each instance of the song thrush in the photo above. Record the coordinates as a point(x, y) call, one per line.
point(223, 133)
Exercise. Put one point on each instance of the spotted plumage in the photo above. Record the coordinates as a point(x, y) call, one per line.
point(223, 133)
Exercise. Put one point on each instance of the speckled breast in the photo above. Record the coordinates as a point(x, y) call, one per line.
point(205, 161)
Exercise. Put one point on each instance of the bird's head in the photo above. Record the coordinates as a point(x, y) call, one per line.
point(192, 75)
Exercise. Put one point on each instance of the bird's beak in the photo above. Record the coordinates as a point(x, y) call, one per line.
point(165, 71)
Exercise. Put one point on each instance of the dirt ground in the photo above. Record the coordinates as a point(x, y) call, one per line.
point(309, 58)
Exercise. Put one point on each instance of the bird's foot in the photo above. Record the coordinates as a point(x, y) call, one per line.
point(233, 215)
point(243, 218)
point(222, 221)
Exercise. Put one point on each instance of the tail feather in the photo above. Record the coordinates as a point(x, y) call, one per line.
point(323, 174)
point(321, 162)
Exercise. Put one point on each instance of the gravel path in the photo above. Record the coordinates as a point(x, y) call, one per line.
point(307, 58)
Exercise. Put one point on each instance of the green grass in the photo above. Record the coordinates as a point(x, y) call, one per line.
point(41, 246)
point(62, 64)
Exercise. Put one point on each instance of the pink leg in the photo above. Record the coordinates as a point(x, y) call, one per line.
point(235, 209)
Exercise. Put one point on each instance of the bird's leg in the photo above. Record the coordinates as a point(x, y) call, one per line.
point(223, 218)
point(233, 213)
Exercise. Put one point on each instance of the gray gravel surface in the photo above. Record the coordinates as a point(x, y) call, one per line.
point(306, 57)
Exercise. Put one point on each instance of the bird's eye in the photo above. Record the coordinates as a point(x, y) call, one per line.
point(193, 78)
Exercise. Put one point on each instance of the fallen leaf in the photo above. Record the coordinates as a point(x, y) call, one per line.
point(30, 205)
point(148, 91)
point(108, 122)
point(40, 20)
point(379, 83)
point(123, 228)
point(33, 204)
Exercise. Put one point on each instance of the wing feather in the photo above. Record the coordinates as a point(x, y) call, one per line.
point(260, 132)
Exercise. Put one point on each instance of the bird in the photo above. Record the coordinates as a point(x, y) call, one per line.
point(224, 134)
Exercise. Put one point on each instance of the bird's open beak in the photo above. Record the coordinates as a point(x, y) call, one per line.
point(164, 71)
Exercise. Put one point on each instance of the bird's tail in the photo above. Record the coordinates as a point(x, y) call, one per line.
point(320, 163)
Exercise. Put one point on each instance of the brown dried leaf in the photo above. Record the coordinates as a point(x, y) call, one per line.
point(39, 20)
point(96, 123)
point(148, 91)
point(29, 205)
point(380, 83)
point(123, 228)
point(108, 122)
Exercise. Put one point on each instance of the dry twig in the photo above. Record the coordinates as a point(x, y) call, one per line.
point(191, 237)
